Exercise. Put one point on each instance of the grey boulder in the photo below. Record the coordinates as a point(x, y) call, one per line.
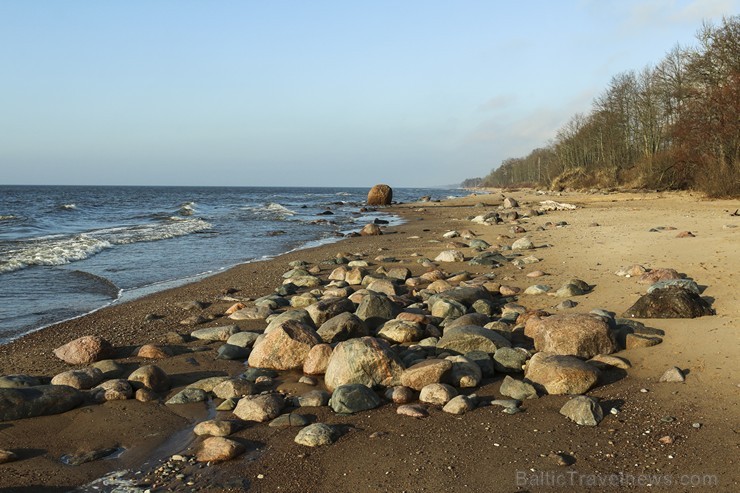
point(37, 401)
point(353, 398)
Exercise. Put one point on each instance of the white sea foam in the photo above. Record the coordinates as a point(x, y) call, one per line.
point(187, 209)
point(60, 249)
point(52, 251)
point(279, 209)
point(272, 210)
point(174, 227)
point(68, 207)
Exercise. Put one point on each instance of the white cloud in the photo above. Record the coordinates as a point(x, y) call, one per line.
point(498, 103)
point(672, 12)
point(698, 10)
point(530, 129)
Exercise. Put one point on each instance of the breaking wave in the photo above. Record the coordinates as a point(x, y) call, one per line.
point(279, 209)
point(271, 210)
point(68, 207)
point(51, 251)
point(172, 228)
point(187, 209)
point(64, 249)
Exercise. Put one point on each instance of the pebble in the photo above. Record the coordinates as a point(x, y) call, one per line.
point(537, 289)
point(673, 375)
point(7, 456)
point(227, 405)
point(561, 459)
point(413, 411)
point(290, 420)
point(564, 305)
point(265, 381)
point(506, 404)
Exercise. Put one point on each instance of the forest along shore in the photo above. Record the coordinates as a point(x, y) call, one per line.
point(475, 322)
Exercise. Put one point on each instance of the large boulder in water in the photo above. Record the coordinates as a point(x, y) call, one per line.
point(578, 334)
point(380, 195)
point(670, 302)
point(285, 347)
point(37, 401)
point(366, 360)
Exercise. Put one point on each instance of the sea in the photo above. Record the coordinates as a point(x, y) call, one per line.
point(69, 250)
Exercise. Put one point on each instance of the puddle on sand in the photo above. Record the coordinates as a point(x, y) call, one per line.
point(115, 482)
point(126, 481)
point(104, 454)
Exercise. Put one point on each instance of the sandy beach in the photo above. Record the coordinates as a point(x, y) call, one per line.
point(380, 450)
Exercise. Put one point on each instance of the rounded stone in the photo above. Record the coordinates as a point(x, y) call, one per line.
point(380, 194)
point(437, 393)
point(316, 435)
point(218, 449)
point(352, 398)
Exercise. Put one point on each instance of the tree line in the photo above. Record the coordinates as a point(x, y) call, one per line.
point(675, 125)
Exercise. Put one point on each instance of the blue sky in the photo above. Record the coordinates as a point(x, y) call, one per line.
point(334, 93)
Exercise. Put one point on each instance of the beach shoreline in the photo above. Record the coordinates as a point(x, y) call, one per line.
point(135, 240)
point(706, 346)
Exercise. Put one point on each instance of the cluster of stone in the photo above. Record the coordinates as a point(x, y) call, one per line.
point(365, 336)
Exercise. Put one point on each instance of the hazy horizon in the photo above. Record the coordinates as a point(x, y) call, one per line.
point(225, 93)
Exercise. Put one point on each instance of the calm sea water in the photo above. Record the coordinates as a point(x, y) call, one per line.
point(65, 251)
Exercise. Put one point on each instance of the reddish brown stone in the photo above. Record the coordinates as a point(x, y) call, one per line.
point(85, 350)
point(380, 195)
point(152, 351)
point(219, 449)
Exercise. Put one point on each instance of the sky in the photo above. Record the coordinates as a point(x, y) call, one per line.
point(412, 93)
